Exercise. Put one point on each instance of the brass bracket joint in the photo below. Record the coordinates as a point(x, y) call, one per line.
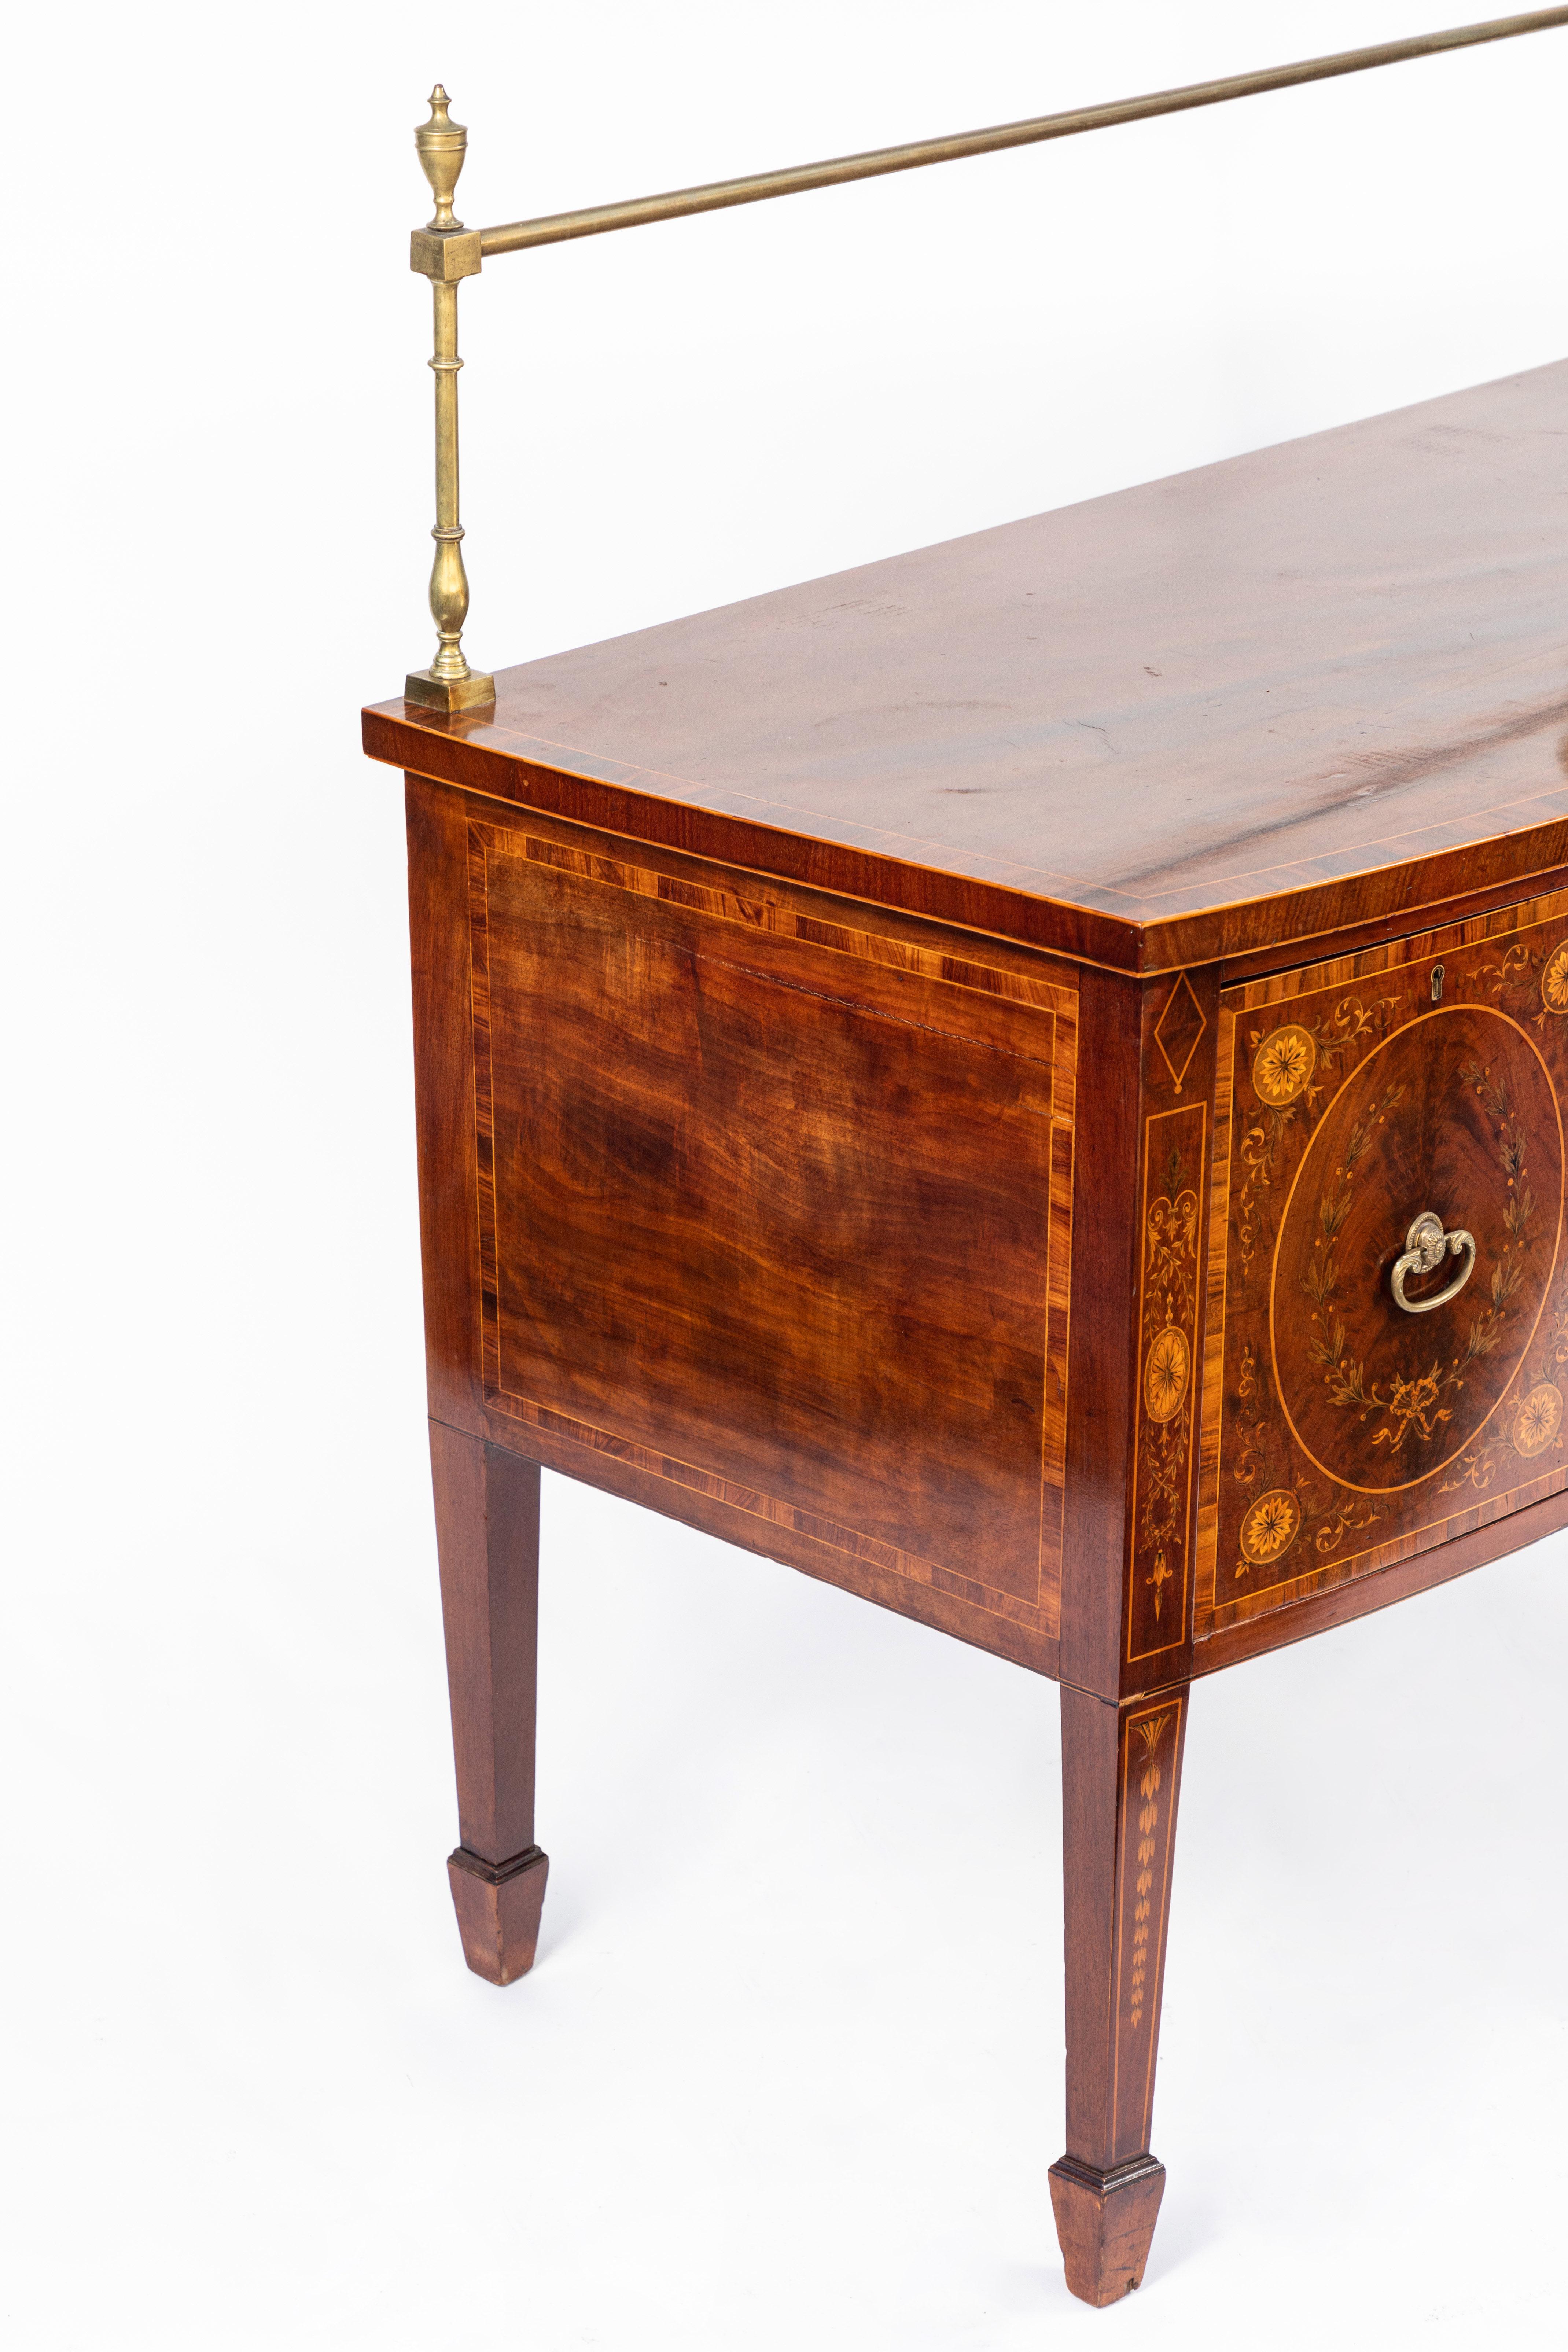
point(445, 255)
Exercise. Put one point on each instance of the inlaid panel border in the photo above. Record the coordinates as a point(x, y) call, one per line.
point(1167, 1388)
point(1057, 1002)
point(1213, 1611)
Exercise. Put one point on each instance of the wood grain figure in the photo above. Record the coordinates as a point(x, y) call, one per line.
point(1024, 1081)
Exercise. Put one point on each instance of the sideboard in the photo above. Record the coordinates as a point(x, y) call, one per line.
point(1024, 1080)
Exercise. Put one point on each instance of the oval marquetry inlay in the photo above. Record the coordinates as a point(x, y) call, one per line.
point(1455, 1113)
point(1283, 1064)
point(1537, 1418)
point(1270, 1527)
point(1554, 981)
point(1165, 1376)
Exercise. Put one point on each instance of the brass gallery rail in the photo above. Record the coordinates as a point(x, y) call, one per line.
point(445, 252)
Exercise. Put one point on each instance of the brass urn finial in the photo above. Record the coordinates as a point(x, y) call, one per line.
point(442, 144)
point(441, 252)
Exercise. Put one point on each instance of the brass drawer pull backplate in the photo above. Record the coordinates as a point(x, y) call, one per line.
point(1425, 1247)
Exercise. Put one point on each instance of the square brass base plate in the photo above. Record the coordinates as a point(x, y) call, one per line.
point(441, 694)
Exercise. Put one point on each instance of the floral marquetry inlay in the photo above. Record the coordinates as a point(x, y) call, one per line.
point(1342, 1426)
point(1174, 1163)
point(1149, 1765)
point(1148, 1737)
point(1165, 1375)
point(1271, 1525)
point(1456, 1107)
point(1538, 1420)
point(1554, 981)
point(1284, 1063)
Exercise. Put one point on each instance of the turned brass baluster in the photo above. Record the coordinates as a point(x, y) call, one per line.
point(445, 253)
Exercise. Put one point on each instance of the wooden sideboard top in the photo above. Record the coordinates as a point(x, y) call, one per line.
point(1318, 686)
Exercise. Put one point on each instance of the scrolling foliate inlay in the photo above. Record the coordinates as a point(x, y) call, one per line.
point(1530, 1422)
point(1173, 1166)
point(1342, 1427)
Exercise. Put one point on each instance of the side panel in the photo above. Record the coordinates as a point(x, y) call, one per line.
point(772, 1217)
point(444, 1095)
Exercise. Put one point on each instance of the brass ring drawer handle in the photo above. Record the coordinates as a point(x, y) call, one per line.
point(1426, 1246)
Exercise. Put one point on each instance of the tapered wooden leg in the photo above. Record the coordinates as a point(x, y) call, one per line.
point(487, 1533)
point(1121, 1774)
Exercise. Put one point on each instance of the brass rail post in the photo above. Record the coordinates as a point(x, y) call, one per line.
point(445, 253)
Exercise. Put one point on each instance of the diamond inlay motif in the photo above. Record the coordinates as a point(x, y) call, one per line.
point(1178, 1029)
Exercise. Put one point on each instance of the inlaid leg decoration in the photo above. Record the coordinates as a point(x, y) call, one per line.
point(1121, 1774)
point(487, 1530)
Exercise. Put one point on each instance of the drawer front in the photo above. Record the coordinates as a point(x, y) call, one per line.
point(1362, 1402)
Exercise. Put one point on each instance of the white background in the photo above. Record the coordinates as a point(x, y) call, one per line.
point(789, 2069)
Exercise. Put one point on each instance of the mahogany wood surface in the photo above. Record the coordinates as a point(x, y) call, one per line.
point(1120, 1779)
point(1502, 1527)
point(688, 1309)
point(1340, 1434)
point(487, 1533)
point(710, 1225)
point(1105, 2223)
point(925, 1077)
point(443, 1082)
point(498, 1912)
point(1317, 686)
point(1125, 1480)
